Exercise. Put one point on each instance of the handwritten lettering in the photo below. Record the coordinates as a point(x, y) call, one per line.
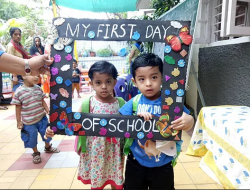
point(87, 119)
point(115, 26)
point(118, 30)
point(107, 30)
point(165, 31)
point(98, 31)
point(157, 31)
point(140, 124)
point(151, 27)
point(150, 126)
point(76, 30)
point(131, 30)
point(130, 125)
point(86, 27)
point(94, 123)
point(111, 124)
point(124, 31)
point(118, 126)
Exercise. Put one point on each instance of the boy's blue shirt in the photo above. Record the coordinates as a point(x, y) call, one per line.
point(76, 79)
point(153, 107)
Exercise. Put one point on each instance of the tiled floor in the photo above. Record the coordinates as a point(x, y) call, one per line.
point(59, 171)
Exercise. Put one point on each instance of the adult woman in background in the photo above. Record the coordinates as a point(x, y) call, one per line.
point(15, 48)
point(37, 49)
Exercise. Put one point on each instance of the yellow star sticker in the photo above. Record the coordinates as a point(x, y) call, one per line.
point(169, 101)
point(176, 72)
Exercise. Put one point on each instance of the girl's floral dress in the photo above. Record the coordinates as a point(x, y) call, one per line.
point(102, 164)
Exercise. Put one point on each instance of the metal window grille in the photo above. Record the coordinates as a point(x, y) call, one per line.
point(240, 18)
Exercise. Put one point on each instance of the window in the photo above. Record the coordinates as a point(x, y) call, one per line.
point(240, 10)
point(219, 20)
point(238, 15)
point(241, 14)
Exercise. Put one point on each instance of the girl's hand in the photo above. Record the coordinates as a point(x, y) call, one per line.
point(49, 133)
point(146, 115)
point(19, 124)
point(185, 122)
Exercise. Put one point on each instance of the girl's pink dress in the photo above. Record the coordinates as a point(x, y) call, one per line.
point(103, 162)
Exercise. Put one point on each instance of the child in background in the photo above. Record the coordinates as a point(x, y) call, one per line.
point(102, 163)
point(145, 171)
point(31, 117)
point(75, 79)
point(45, 80)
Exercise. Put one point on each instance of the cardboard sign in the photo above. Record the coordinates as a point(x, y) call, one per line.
point(177, 39)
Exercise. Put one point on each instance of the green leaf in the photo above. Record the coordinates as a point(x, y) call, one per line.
point(169, 60)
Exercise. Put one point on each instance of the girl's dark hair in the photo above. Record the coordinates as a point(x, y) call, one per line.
point(114, 94)
point(145, 60)
point(13, 29)
point(34, 41)
point(74, 60)
point(103, 67)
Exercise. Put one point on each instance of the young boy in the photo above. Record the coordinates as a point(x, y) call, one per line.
point(143, 172)
point(31, 117)
point(76, 79)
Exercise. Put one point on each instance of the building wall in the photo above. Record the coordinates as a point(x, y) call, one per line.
point(224, 75)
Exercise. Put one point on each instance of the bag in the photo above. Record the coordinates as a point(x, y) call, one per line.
point(129, 141)
point(80, 141)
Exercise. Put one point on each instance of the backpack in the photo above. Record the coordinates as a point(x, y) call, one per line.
point(129, 141)
point(80, 141)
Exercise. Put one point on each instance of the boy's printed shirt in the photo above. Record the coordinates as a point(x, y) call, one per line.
point(30, 98)
point(76, 79)
point(145, 151)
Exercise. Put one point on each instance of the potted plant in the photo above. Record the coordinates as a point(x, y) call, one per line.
point(92, 53)
point(104, 52)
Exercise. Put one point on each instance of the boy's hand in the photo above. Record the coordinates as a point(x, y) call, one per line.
point(185, 122)
point(49, 133)
point(19, 124)
point(146, 115)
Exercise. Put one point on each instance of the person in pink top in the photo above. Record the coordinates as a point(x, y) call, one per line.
point(31, 117)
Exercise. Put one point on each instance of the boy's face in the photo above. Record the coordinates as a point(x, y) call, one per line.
point(148, 80)
point(103, 84)
point(74, 65)
point(31, 80)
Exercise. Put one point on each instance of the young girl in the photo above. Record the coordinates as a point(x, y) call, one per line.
point(102, 163)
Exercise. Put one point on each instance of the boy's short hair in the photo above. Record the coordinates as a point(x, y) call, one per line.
point(145, 60)
point(103, 67)
point(74, 60)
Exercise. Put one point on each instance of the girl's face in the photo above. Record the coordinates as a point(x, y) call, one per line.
point(37, 41)
point(16, 36)
point(103, 84)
